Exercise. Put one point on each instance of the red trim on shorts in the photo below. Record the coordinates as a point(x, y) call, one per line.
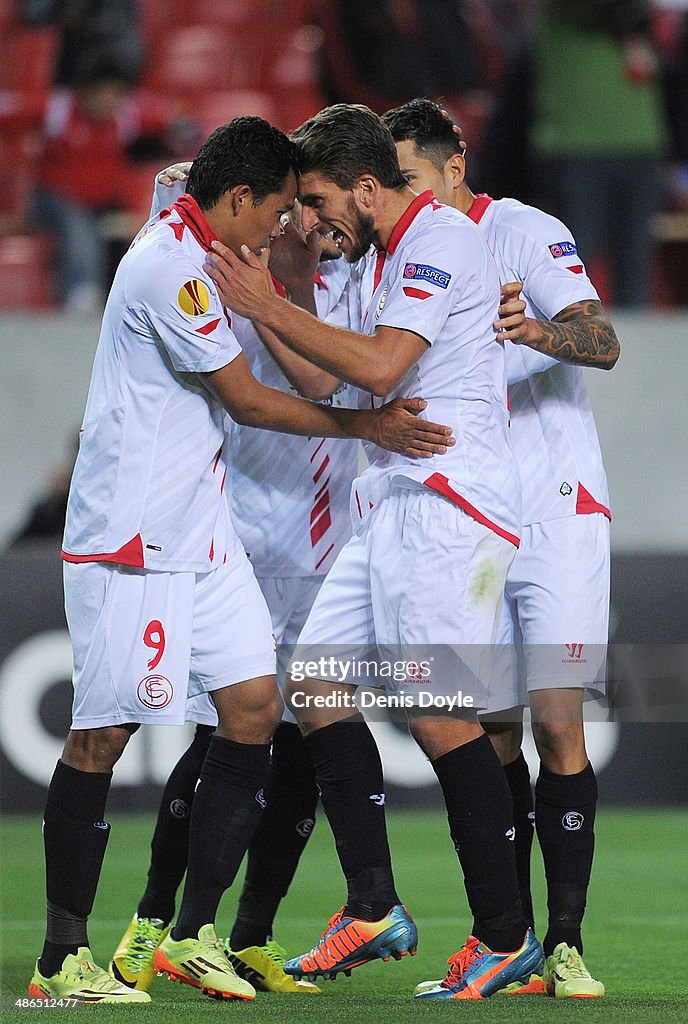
point(130, 553)
point(586, 504)
point(438, 482)
point(480, 205)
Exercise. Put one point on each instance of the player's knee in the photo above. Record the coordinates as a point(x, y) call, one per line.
point(96, 750)
point(559, 739)
point(249, 712)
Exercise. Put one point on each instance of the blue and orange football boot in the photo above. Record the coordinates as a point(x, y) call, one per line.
point(475, 972)
point(349, 942)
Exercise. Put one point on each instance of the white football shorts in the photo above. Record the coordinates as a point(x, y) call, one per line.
point(143, 641)
point(289, 600)
point(554, 623)
point(420, 581)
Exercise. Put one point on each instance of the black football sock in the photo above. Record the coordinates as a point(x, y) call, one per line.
point(480, 822)
point(348, 770)
point(74, 838)
point(226, 808)
point(565, 819)
point(170, 843)
point(285, 826)
point(518, 777)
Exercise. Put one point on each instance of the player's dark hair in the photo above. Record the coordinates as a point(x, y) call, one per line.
point(421, 121)
point(247, 151)
point(347, 140)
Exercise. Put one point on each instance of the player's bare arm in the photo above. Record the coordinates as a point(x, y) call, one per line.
point(395, 426)
point(310, 380)
point(374, 363)
point(581, 333)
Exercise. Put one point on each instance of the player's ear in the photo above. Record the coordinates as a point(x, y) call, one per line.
point(455, 170)
point(366, 189)
point(241, 196)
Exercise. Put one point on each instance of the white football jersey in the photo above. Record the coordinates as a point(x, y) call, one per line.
point(148, 480)
point(552, 427)
point(288, 495)
point(438, 279)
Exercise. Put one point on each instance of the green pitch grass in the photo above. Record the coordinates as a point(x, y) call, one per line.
point(635, 929)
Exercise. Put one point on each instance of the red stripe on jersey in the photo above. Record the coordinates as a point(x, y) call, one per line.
point(320, 528)
point(578, 269)
point(407, 218)
point(130, 553)
point(358, 505)
point(320, 506)
point(209, 328)
point(379, 264)
point(322, 469)
point(279, 288)
point(438, 482)
point(227, 317)
point(322, 489)
point(211, 553)
point(317, 449)
point(320, 281)
point(586, 504)
point(178, 228)
point(480, 204)
point(417, 293)
point(217, 459)
point(192, 215)
point(321, 560)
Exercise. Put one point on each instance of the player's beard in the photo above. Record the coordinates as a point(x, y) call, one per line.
point(365, 232)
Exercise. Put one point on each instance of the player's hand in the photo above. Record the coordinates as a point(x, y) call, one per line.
point(173, 173)
point(242, 284)
point(512, 324)
point(396, 427)
point(294, 257)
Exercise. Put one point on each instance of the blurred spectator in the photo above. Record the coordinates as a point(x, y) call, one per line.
point(46, 518)
point(88, 29)
point(671, 30)
point(387, 52)
point(86, 134)
point(599, 131)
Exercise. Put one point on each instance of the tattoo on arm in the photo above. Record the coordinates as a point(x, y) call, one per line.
point(581, 334)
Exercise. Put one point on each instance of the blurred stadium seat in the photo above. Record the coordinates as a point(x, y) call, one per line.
point(217, 108)
point(25, 272)
point(199, 59)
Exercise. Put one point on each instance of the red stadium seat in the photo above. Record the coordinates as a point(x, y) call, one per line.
point(234, 14)
point(219, 107)
point(31, 56)
point(25, 272)
point(201, 58)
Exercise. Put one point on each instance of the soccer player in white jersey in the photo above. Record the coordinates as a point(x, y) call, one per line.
point(289, 503)
point(557, 588)
point(428, 561)
point(161, 601)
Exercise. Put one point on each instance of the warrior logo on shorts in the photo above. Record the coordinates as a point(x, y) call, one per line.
point(155, 692)
point(573, 821)
point(305, 827)
point(194, 298)
point(575, 654)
